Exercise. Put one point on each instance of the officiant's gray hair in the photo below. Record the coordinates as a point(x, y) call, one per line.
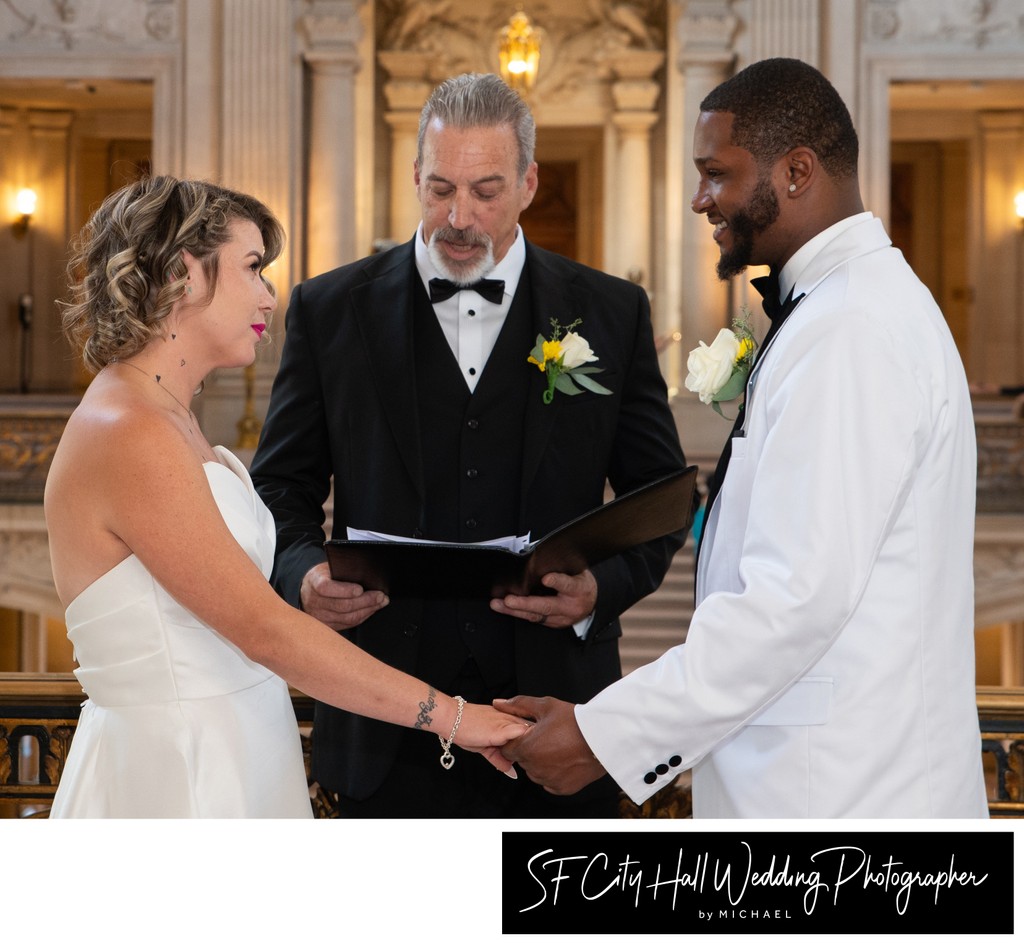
point(480, 100)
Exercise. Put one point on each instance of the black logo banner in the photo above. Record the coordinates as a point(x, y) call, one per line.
point(757, 882)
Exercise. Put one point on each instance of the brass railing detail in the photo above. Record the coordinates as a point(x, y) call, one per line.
point(1002, 732)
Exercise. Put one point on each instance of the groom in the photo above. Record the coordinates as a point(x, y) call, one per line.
point(418, 400)
point(828, 670)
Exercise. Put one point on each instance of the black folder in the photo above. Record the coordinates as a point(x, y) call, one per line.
point(462, 571)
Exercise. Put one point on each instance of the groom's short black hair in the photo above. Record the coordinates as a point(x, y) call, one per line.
point(780, 104)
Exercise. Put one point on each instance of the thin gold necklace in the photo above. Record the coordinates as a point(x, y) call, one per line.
point(191, 415)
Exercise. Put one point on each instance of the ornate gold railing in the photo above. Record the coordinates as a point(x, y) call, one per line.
point(39, 713)
point(38, 716)
point(1001, 711)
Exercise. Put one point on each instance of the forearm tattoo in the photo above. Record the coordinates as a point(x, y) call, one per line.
point(423, 719)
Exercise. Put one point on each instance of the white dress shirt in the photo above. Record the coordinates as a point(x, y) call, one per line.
point(470, 322)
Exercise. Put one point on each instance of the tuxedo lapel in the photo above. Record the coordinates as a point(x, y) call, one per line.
point(551, 296)
point(778, 312)
point(383, 309)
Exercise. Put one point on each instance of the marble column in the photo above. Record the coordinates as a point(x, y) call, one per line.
point(635, 95)
point(1012, 654)
point(333, 30)
point(706, 59)
point(33, 643)
point(701, 50)
point(997, 349)
point(632, 251)
point(254, 105)
point(406, 90)
point(788, 28)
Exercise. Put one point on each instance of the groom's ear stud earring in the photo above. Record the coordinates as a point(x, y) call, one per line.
point(792, 188)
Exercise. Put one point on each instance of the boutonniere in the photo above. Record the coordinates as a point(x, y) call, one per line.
point(718, 372)
point(564, 358)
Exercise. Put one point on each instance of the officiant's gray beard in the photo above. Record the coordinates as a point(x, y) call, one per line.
point(460, 273)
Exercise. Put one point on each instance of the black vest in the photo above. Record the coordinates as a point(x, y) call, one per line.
point(472, 447)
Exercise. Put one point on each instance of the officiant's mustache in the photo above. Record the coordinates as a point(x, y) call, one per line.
point(464, 271)
point(464, 237)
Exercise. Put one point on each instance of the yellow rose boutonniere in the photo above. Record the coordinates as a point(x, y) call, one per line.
point(718, 372)
point(564, 358)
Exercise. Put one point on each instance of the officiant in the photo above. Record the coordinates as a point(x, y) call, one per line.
point(415, 379)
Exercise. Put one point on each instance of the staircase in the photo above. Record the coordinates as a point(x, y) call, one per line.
point(659, 621)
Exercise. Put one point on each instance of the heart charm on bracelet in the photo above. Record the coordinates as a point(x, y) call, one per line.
point(446, 758)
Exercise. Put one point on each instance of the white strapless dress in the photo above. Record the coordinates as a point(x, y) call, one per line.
point(179, 722)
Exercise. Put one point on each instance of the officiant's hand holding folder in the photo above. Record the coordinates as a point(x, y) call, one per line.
point(441, 569)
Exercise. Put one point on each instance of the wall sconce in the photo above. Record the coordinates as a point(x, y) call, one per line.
point(519, 53)
point(25, 205)
point(1018, 206)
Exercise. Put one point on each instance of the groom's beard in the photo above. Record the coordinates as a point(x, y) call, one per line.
point(745, 224)
point(458, 271)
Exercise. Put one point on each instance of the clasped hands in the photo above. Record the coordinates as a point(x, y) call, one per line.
point(552, 751)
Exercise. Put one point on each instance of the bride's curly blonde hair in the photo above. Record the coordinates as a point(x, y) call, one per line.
point(126, 270)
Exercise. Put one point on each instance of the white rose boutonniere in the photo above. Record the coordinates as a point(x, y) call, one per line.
point(575, 351)
point(564, 358)
point(718, 372)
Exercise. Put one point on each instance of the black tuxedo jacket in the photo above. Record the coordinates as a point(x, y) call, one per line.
point(344, 405)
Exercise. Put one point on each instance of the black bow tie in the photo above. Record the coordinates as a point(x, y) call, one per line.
point(777, 312)
point(491, 289)
point(768, 286)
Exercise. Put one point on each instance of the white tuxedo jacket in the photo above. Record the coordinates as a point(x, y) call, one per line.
point(829, 667)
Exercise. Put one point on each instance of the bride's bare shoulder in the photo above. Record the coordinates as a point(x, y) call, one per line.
point(114, 430)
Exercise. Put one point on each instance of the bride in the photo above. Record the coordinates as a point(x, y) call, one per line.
point(161, 548)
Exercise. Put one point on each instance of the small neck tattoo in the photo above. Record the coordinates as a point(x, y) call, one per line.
point(156, 377)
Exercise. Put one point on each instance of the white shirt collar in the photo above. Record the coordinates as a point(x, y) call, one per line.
point(793, 269)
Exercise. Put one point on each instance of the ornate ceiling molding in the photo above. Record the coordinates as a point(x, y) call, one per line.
point(74, 23)
point(969, 23)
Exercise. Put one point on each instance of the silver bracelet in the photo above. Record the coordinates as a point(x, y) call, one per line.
point(447, 759)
